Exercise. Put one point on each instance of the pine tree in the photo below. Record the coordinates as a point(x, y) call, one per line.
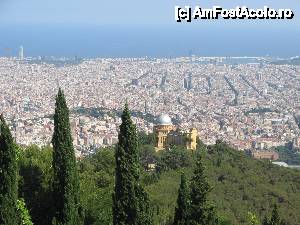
point(275, 219)
point(183, 203)
point(66, 182)
point(201, 211)
point(130, 202)
point(8, 177)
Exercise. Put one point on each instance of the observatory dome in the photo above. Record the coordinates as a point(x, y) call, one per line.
point(164, 119)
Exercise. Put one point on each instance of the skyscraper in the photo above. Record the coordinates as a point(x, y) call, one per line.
point(21, 53)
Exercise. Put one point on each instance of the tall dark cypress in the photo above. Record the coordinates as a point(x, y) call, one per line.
point(130, 202)
point(66, 182)
point(183, 203)
point(201, 211)
point(275, 219)
point(8, 177)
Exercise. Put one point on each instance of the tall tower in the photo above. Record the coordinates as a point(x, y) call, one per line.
point(21, 53)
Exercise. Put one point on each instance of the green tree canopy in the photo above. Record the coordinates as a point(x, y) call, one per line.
point(201, 211)
point(130, 202)
point(182, 211)
point(8, 177)
point(23, 212)
point(67, 210)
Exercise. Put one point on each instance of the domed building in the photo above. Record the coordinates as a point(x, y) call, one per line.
point(164, 119)
point(168, 134)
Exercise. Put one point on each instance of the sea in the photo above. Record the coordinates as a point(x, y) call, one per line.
point(111, 41)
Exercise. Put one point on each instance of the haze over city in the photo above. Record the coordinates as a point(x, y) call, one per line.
point(140, 28)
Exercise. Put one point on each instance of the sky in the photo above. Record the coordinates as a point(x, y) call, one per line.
point(68, 24)
point(100, 12)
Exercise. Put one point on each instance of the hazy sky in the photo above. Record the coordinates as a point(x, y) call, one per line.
point(145, 27)
point(102, 12)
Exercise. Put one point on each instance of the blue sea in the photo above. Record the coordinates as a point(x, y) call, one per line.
point(147, 40)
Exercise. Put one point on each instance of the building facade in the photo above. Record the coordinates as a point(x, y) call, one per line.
point(296, 144)
point(167, 134)
point(258, 154)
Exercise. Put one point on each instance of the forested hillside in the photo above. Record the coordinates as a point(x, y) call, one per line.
point(241, 186)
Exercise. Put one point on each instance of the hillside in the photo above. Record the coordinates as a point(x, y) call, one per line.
point(241, 184)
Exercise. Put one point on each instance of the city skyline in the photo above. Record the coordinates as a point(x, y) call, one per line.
point(250, 106)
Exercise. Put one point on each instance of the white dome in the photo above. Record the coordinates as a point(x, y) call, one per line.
point(164, 119)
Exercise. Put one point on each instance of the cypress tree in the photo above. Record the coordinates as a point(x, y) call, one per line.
point(130, 202)
point(66, 182)
point(144, 210)
point(183, 203)
point(275, 219)
point(8, 177)
point(201, 211)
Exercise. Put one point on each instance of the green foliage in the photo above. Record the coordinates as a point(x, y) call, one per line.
point(250, 185)
point(287, 155)
point(67, 210)
point(265, 221)
point(97, 181)
point(252, 219)
point(275, 218)
point(130, 202)
point(8, 177)
point(96, 176)
point(23, 212)
point(174, 158)
point(182, 211)
point(147, 155)
point(36, 176)
point(146, 139)
point(240, 184)
point(201, 211)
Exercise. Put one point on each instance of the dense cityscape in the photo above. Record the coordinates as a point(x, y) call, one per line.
point(251, 106)
point(149, 113)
